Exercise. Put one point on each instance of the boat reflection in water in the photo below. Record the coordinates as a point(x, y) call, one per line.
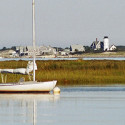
point(22, 108)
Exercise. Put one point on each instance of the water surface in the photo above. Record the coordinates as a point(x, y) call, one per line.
point(89, 58)
point(75, 106)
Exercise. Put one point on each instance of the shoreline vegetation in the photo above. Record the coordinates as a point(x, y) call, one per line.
point(67, 72)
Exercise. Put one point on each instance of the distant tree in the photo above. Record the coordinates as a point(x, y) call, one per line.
point(4, 48)
point(67, 48)
point(120, 48)
point(13, 47)
point(98, 51)
point(58, 49)
point(76, 50)
point(88, 49)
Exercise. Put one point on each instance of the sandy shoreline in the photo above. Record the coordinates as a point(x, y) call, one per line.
point(85, 55)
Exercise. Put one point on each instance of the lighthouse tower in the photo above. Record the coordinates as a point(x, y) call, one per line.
point(106, 43)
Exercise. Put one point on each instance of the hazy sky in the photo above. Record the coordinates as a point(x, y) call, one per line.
point(62, 22)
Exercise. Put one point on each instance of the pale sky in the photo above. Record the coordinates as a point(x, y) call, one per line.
point(62, 22)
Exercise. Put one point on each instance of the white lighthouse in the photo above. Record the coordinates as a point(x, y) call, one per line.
point(106, 43)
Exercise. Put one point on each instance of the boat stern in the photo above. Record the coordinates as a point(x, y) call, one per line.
point(54, 83)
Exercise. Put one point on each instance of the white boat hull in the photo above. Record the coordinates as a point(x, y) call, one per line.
point(28, 87)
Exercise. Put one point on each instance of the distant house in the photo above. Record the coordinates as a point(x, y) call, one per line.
point(47, 50)
point(40, 50)
point(29, 50)
point(8, 53)
point(97, 45)
point(64, 52)
point(19, 50)
point(113, 47)
point(77, 48)
point(26, 51)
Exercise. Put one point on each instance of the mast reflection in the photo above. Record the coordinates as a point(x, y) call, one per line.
point(23, 107)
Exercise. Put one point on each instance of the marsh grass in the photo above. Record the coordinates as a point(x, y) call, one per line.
point(78, 72)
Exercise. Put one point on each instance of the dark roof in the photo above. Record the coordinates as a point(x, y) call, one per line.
point(105, 36)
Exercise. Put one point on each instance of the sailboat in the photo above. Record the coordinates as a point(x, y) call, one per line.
point(29, 86)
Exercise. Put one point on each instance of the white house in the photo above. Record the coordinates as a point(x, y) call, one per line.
point(113, 47)
point(97, 45)
point(64, 52)
point(47, 50)
point(77, 48)
point(8, 53)
point(29, 50)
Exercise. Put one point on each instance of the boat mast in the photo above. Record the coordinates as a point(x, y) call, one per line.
point(34, 112)
point(33, 35)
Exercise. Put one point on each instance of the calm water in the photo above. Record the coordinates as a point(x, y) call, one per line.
point(8, 59)
point(75, 106)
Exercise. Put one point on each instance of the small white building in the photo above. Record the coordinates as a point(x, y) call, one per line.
point(62, 53)
point(77, 48)
point(65, 52)
point(29, 50)
point(8, 53)
point(47, 50)
point(113, 47)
